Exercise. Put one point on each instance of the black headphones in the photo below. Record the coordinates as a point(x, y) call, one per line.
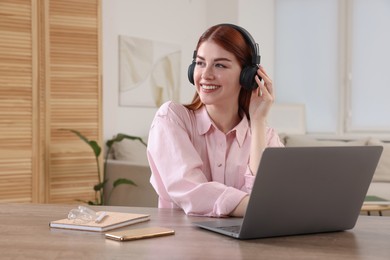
point(248, 72)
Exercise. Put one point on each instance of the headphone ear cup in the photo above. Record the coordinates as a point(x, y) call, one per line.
point(191, 69)
point(247, 77)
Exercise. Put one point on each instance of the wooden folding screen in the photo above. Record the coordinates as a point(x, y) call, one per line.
point(50, 80)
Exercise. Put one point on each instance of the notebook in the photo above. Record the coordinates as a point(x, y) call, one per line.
point(304, 190)
point(112, 220)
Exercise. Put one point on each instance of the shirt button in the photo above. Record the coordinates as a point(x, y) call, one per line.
point(219, 165)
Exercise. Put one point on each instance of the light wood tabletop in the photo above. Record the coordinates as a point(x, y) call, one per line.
point(25, 234)
point(368, 208)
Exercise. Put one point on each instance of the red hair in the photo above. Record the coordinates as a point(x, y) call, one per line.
point(230, 39)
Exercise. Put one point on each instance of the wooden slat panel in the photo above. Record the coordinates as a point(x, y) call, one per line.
point(16, 78)
point(74, 98)
point(49, 80)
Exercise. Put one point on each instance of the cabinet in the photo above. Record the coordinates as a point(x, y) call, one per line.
point(50, 80)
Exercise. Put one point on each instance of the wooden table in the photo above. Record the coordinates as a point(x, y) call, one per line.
point(368, 208)
point(25, 234)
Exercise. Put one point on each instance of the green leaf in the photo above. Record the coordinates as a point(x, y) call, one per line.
point(82, 137)
point(123, 181)
point(98, 186)
point(119, 137)
point(97, 150)
point(93, 144)
point(95, 147)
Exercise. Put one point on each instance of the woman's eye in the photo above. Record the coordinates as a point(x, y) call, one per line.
point(219, 65)
point(199, 63)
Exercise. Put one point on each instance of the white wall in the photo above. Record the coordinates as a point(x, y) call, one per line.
point(167, 21)
point(174, 21)
point(257, 16)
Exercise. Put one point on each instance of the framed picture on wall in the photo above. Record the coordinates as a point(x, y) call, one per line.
point(149, 72)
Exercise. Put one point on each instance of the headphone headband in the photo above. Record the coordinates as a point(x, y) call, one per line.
point(249, 39)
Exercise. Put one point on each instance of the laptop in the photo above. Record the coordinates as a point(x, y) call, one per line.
point(304, 190)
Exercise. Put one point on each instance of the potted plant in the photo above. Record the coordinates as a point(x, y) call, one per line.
point(99, 187)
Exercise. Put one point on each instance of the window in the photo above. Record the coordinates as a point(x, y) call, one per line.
point(370, 66)
point(333, 56)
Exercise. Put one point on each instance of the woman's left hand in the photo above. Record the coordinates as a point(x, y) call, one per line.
point(262, 97)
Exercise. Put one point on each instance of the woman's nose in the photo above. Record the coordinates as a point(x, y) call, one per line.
point(207, 72)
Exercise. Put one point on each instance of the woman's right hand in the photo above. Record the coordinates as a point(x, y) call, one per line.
point(262, 97)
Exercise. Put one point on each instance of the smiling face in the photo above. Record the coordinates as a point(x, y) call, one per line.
point(216, 76)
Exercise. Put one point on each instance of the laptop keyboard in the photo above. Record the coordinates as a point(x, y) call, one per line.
point(233, 229)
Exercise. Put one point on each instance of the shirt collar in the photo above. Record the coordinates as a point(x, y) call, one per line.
point(204, 124)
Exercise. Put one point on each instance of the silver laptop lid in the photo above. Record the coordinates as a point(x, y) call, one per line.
point(300, 190)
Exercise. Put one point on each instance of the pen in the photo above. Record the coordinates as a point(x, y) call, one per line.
point(100, 217)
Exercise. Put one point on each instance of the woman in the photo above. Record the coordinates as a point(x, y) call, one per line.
point(204, 156)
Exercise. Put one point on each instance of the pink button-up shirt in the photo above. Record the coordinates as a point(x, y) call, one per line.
point(197, 167)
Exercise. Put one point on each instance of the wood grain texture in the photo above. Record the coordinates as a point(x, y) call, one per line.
point(75, 97)
point(16, 101)
point(50, 79)
point(26, 235)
